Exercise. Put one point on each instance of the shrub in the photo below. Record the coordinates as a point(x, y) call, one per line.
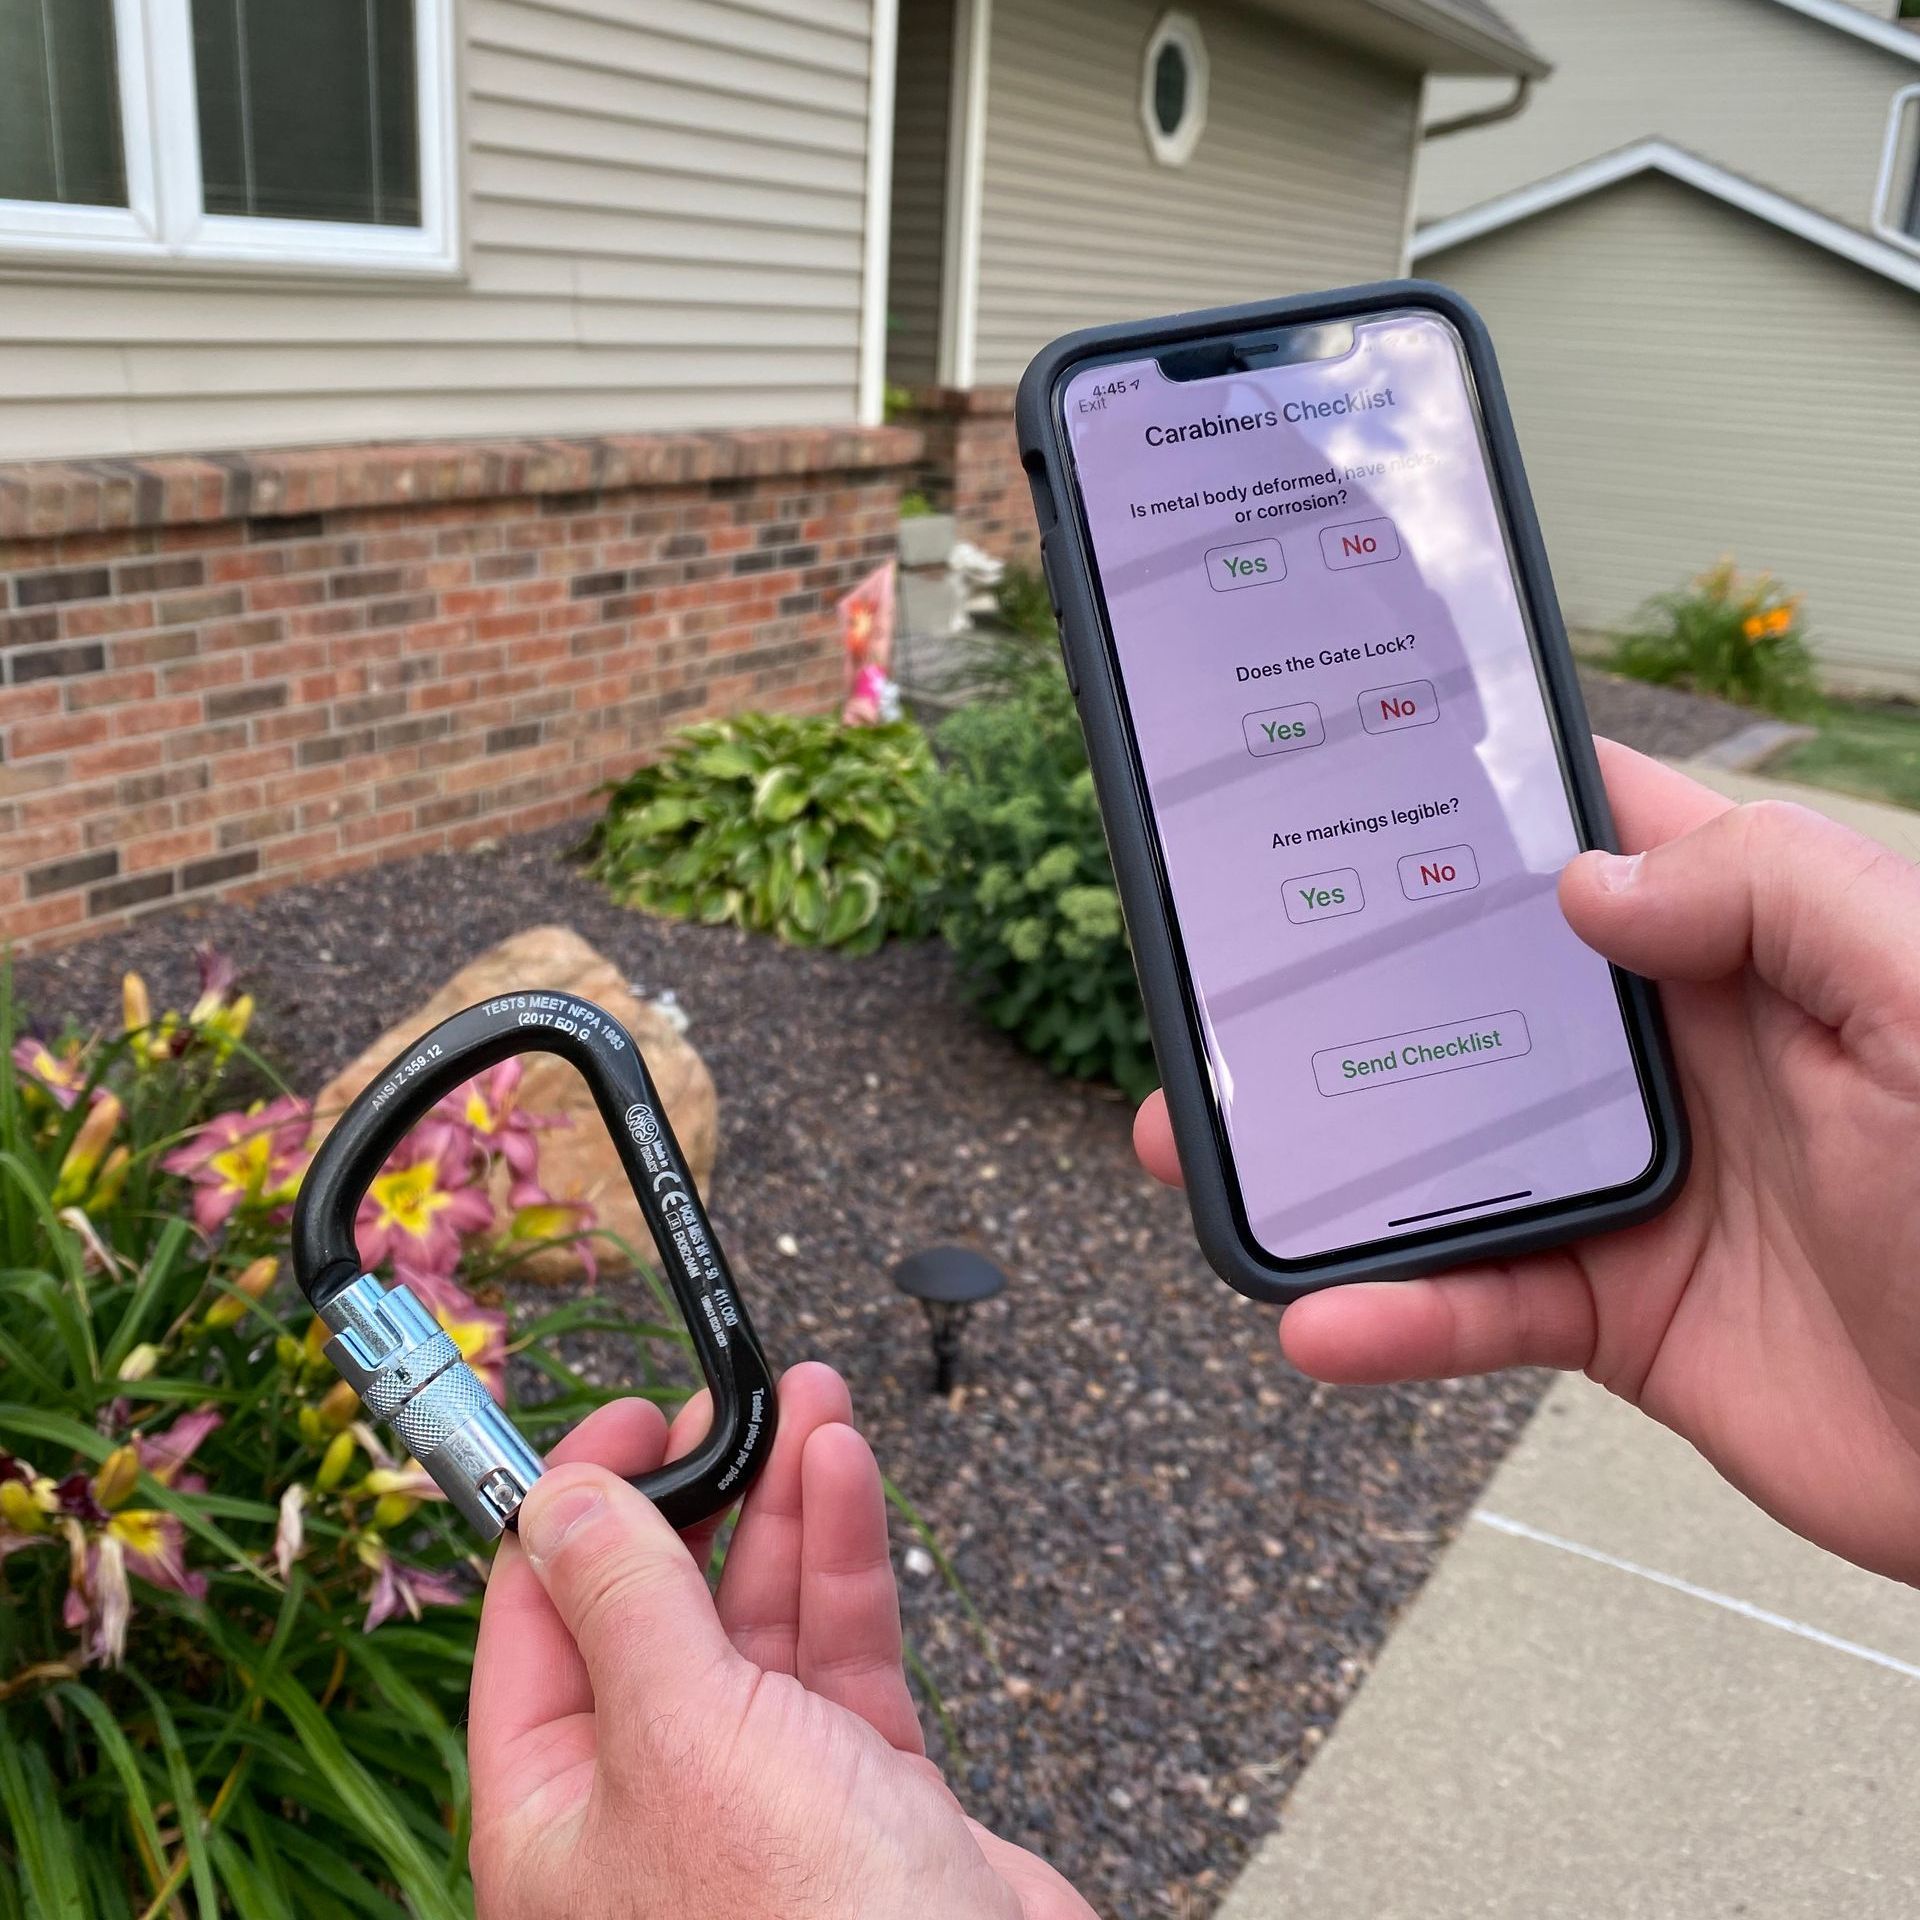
point(1736, 638)
point(785, 824)
point(1028, 901)
point(235, 1631)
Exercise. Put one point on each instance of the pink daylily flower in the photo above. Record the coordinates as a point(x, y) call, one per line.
point(61, 1076)
point(398, 1588)
point(535, 1214)
point(488, 1106)
point(244, 1159)
point(423, 1202)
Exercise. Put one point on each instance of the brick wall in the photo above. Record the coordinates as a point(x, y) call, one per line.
point(218, 676)
point(971, 468)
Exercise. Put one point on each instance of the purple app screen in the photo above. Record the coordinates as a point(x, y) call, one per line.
point(1354, 780)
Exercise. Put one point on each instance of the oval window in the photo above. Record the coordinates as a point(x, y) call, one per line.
point(1173, 92)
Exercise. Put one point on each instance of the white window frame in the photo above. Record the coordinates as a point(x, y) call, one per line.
point(1894, 194)
point(1182, 30)
point(165, 222)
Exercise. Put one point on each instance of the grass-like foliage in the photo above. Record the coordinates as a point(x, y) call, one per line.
point(1028, 902)
point(1739, 638)
point(236, 1632)
point(783, 823)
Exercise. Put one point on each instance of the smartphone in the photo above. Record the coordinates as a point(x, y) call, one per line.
point(1342, 758)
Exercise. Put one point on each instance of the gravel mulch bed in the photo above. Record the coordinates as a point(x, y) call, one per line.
point(1660, 720)
point(1186, 1555)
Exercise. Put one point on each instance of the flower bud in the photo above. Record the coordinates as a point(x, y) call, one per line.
point(119, 1474)
point(251, 1283)
point(393, 1510)
point(338, 1406)
point(113, 1176)
point(335, 1462)
point(140, 1363)
point(19, 1509)
point(136, 1010)
point(88, 1149)
point(290, 1353)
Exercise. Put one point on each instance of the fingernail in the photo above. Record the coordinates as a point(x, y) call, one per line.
point(547, 1519)
point(1616, 872)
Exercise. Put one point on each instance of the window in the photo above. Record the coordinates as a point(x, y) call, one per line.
point(1897, 212)
point(255, 133)
point(1173, 89)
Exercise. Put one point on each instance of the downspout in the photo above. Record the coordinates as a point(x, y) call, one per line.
point(1485, 116)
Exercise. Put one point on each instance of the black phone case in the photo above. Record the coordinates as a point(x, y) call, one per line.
point(1065, 557)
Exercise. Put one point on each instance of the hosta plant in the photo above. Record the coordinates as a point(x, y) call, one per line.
point(1027, 901)
point(786, 824)
point(236, 1629)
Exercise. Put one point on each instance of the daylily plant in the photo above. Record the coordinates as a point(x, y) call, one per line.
point(220, 1586)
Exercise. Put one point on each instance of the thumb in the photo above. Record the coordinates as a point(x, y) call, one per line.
point(1825, 916)
point(629, 1593)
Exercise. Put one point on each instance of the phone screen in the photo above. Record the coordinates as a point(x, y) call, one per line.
point(1348, 759)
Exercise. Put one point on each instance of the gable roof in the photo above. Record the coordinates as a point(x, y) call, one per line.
point(1661, 156)
point(1887, 34)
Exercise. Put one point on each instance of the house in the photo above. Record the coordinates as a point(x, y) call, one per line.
point(410, 413)
point(1699, 252)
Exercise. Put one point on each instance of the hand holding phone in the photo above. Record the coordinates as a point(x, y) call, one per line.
point(1342, 760)
point(1769, 1315)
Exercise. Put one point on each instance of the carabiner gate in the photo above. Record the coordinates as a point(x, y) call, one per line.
point(393, 1352)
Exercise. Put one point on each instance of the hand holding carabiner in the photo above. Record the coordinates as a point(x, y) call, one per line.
point(405, 1368)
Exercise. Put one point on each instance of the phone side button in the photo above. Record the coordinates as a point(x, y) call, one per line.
point(1060, 626)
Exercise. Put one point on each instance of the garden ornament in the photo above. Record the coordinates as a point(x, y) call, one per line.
point(407, 1370)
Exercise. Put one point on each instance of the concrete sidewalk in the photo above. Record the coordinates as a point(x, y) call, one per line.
point(1625, 1694)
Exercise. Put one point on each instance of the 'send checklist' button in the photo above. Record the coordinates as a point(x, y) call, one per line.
point(1361, 543)
point(1417, 1056)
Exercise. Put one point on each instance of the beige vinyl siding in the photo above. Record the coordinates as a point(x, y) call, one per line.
point(1690, 382)
point(922, 102)
point(1788, 101)
point(1299, 181)
point(663, 221)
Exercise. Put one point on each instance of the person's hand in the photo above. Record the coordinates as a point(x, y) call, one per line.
point(641, 1748)
point(1772, 1315)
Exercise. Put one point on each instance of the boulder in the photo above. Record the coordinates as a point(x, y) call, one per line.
point(577, 1161)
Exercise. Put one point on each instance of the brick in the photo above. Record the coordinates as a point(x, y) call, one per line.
point(155, 649)
point(108, 689)
point(27, 629)
point(194, 609)
point(220, 869)
point(58, 733)
point(398, 613)
point(157, 716)
point(61, 583)
point(236, 702)
point(363, 583)
point(268, 824)
point(59, 876)
point(117, 895)
point(156, 576)
point(135, 789)
point(165, 849)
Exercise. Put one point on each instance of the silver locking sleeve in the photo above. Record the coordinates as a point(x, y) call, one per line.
point(407, 1372)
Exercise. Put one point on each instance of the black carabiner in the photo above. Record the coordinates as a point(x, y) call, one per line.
point(407, 1370)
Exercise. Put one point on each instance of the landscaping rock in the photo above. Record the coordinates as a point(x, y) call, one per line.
point(577, 1161)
